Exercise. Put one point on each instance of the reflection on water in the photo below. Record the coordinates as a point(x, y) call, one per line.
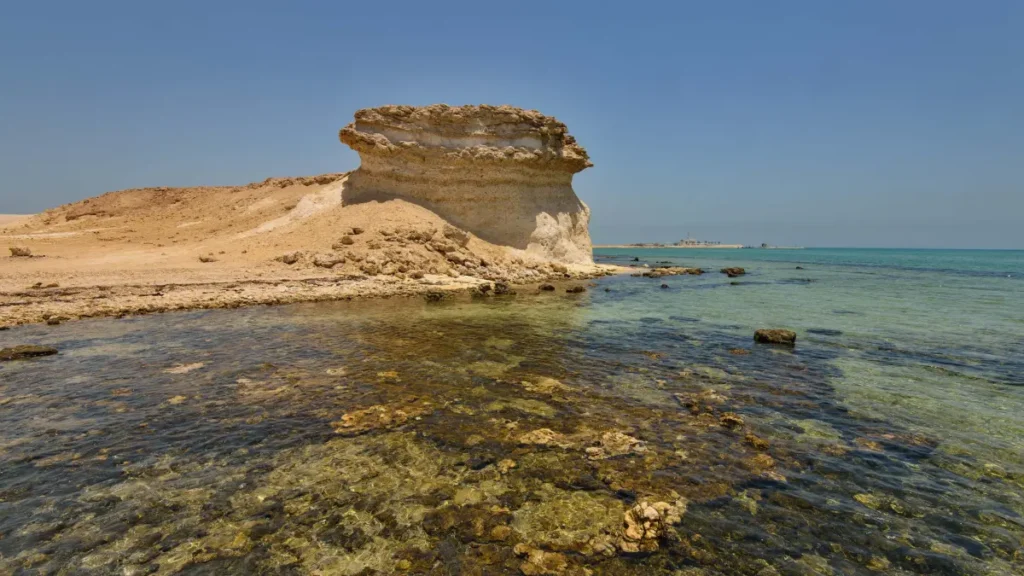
point(541, 434)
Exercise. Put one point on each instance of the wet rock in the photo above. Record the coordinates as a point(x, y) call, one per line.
point(669, 271)
point(775, 336)
point(614, 444)
point(503, 289)
point(730, 420)
point(545, 385)
point(739, 351)
point(799, 267)
point(328, 260)
point(663, 286)
point(575, 289)
point(645, 524)
point(755, 442)
point(435, 296)
point(733, 272)
point(25, 351)
point(505, 466)
point(380, 416)
point(545, 437)
point(703, 401)
point(547, 287)
point(541, 563)
point(20, 252)
point(184, 368)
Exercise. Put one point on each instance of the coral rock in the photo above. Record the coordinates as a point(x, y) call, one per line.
point(764, 336)
point(501, 173)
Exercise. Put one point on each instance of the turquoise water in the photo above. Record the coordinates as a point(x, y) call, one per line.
point(506, 435)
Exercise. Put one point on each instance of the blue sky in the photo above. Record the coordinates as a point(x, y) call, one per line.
point(813, 123)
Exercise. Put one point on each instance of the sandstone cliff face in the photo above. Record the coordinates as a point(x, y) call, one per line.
point(502, 173)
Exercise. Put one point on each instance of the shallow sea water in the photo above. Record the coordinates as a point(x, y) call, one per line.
point(472, 436)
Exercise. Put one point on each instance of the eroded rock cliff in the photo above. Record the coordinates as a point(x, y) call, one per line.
point(502, 173)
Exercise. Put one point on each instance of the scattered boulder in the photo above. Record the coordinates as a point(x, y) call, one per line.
point(20, 252)
point(775, 336)
point(575, 289)
point(356, 231)
point(207, 259)
point(669, 271)
point(290, 258)
point(503, 289)
point(560, 268)
point(734, 272)
point(547, 287)
point(435, 296)
point(328, 260)
point(25, 351)
point(612, 444)
point(799, 267)
point(347, 240)
point(460, 237)
point(663, 286)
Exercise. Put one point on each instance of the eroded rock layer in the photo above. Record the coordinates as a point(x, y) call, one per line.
point(502, 173)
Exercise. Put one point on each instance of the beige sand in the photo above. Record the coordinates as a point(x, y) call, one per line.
point(6, 219)
point(138, 251)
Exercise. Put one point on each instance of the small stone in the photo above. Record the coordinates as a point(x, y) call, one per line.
point(663, 286)
point(290, 258)
point(775, 336)
point(207, 259)
point(502, 289)
point(733, 272)
point(356, 231)
point(575, 290)
point(755, 442)
point(547, 287)
point(25, 351)
point(347, 240)
point(53, 321)
point(506, 465)
point(20, 252)
point(739, 351)
point(177, 400)
point(730, 420)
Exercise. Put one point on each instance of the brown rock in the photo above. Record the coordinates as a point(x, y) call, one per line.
point(547, 287)
point(575, 289)
point(775, 336)
point(20, 252)
point(733, 272)
point(347, 240)
point(25, 351)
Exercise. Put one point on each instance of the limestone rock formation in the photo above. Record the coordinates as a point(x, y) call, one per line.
point(502, 173)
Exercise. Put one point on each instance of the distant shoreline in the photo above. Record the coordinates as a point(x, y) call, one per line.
point(729, 246)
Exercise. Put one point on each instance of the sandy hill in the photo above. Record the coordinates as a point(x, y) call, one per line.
point(279, 240)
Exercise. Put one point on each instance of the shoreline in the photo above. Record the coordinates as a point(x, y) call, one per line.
point(55, 305)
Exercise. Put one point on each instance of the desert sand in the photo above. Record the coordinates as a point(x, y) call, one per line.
point(277, 241)
point(446, 199)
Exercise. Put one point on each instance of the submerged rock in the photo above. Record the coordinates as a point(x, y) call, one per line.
point(575, 290)
point(733, 272)
point(645, 524)
point(25, 351)
point(775, 336)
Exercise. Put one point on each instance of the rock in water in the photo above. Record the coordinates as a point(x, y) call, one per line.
point(25, 351)
point(501, 173)
point(734, 272)
point(787, 337)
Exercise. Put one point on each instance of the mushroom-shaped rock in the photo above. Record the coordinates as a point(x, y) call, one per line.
point(501, 173)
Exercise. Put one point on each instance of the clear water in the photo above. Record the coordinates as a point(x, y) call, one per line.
point(375, 437)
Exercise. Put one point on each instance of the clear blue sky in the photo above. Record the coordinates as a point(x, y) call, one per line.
point(896, 123)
